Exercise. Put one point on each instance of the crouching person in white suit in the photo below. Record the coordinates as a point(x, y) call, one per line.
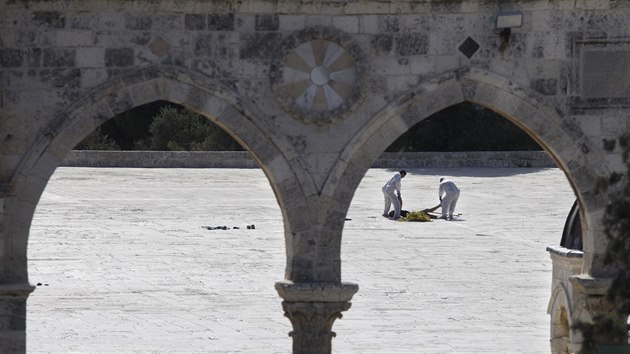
point(391, 192)
point(448, 194)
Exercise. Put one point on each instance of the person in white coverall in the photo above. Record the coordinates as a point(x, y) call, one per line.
point(448, 194)
point(389, 192)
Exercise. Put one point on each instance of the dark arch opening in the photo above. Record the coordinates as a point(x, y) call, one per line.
point(159, 126)
point(464, 127)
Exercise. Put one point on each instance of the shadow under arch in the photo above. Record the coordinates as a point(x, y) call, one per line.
point(216, 102)
point(560, 136)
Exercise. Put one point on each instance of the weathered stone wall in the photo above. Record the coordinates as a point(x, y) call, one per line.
point(242, 159)
point(315, 90)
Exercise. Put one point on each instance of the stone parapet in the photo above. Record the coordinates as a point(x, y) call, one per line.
point(243, 159)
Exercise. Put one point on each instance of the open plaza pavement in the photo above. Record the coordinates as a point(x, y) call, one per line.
point(124, 264)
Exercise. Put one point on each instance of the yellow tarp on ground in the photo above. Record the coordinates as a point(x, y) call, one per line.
point(416, 216)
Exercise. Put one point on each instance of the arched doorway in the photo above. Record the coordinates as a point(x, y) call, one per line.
point(141, 87)
point(578, 162)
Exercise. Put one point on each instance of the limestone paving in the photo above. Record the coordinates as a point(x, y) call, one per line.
point(124, 265)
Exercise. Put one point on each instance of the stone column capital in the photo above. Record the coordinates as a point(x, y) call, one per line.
point(15, 290)
point(316, 292)
point(590, 286)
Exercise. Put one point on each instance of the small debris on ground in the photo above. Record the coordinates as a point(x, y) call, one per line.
point(223, 227)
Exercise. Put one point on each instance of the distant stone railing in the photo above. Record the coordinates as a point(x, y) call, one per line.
point(242, 159)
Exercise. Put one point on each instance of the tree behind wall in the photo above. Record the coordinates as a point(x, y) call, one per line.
point(465, 127)
point(180, 129)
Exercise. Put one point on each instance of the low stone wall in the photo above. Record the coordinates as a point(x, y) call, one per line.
point(464, 159)
point(242, 159)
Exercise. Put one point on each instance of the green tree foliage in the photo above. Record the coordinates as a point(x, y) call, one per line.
point(97, 140)
point(613, 328)
point(130, 126)
point(464, 127)
point(180, 129)
point(159, 126)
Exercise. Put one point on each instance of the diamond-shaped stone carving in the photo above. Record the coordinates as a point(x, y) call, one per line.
point(159, 46)
point(469, 47)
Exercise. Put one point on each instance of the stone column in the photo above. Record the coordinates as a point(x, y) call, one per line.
point(312, 309)
point(13, 317)
point(589, 295)
point(566, 264)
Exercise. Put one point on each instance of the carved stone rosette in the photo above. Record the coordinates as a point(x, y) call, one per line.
point(318, 75)
point(312, 309)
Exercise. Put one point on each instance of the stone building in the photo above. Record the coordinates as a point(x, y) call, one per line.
point(315, 90)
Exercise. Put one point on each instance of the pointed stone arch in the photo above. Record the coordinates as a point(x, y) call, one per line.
point(561, 312)
point(556, 131)
point(217, 102)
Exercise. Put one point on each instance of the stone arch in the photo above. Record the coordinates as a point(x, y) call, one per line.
point(561, 137)
point(561, 320)
point(217, 102)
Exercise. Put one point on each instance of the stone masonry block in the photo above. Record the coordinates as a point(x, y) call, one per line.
point(138, 21)
point(259, 45)
point(421, 65)
point(388, 23)
point(390, 66)
point(112, 20)
point(61, 78)
point(312, 21)
point(281, 169)
point(221, 22)
point(145, 92)
point(348, 24)
point(382, 44)
point(369, 24)
point(291, 22)
point(214, 106)
point(447, 6)
point(545, 86)
point(194, 22)
point(590, 125)
point(49, 19)
point(445, 43)
point(59, 57)
point(486, 78)
point(33, 57)
point(615, 125)
point(411, 44)
point(21, 38)
point(119, 57)
point(309, 183)
point(401, 83)
point(204, 45)
point(271, 7)
point(74, 38)
point(367, 6)
point(267, 22)
point(177, 92)
point(11, 58)
point(121, 102)
point(83, 21)
point(169, 22)
point(90, 57)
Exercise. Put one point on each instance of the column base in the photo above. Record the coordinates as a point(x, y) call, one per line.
point(13, 317)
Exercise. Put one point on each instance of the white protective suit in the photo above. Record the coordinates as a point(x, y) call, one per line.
point(389, 191)
point(448, 194)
